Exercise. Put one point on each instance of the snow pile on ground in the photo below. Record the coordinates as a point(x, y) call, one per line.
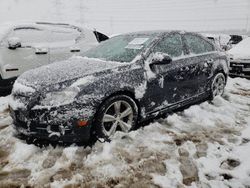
point(204, 146)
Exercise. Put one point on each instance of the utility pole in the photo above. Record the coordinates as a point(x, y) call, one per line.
point(247, 28)
point(248, 15)
point(112, 24)
point(58, 5)
point(82, 11)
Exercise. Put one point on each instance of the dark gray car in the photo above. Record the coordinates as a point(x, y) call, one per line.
point(123, 81)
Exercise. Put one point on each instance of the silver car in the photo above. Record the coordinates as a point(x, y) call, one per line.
point(26, 46)
point(240, 59)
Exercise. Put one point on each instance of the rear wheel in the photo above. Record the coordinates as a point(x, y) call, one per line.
point(218, 85)
point(118, 113)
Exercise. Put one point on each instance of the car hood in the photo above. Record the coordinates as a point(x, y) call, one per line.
point(58, 72)
point(239, 54)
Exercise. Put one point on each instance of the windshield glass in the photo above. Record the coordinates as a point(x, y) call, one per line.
point(123, 48)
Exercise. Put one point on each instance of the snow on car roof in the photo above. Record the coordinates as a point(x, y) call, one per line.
point(7, 26)
point(151, 32)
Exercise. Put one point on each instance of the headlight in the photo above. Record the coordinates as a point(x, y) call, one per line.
point(60, 98)
point(66, 96)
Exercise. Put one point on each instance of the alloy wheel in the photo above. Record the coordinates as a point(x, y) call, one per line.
point(218, 85)
point(118, 116)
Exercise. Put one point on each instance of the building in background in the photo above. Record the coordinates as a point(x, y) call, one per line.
point(116, 16)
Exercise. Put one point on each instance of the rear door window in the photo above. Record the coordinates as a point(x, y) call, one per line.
point(171, 45)
point(197, 45)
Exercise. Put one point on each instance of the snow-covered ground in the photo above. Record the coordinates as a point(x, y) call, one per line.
point(206, 145)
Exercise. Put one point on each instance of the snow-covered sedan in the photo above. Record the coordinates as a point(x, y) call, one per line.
point(123, 81)
point(240, 59)
point(25, 46)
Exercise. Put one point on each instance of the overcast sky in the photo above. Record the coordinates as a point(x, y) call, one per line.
point(116, 16)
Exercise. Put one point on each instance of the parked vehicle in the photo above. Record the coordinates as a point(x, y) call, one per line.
point(235, 39)
point(124, 80)
point(221, 40)
point(29, 45)
point(240, 59)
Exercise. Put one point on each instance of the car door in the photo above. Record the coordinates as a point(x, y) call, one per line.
point(61, 39)
point(201, 55)
point(31, 54)
point(165, 88)
point(66, 42)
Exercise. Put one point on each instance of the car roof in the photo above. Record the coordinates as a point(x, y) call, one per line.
point(150, 32)
point(159, 32)
point(41, 24)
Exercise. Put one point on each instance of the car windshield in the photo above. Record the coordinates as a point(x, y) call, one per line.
point(123, 48)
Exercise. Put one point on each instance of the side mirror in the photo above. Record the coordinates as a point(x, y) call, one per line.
point(14, 43)
point(160, 58)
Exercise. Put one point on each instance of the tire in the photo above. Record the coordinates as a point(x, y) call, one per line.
point(117, 113)
point(218, 85)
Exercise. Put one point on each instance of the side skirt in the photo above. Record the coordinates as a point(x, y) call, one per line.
point(178, 105)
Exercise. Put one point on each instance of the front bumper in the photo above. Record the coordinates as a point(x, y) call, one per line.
point(240, 68)
point(55, 124)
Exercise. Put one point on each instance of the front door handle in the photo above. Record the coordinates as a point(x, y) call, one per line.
point(209, 61)
point(74, 49)
point(186, 68)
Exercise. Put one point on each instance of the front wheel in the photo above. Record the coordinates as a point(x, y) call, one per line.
point(218, 85)
point(118, 113)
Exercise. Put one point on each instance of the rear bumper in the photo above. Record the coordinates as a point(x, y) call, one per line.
point(34, 125)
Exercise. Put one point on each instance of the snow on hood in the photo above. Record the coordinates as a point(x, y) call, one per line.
point(241, 50)
point(58, 72)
